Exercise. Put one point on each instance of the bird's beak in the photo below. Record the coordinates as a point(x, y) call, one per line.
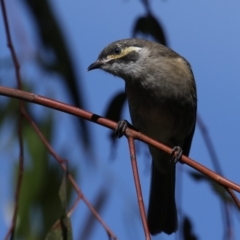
point(95, 65)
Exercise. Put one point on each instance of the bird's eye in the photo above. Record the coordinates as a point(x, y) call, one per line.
point(117, 50)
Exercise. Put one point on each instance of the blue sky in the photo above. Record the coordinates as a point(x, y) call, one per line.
point(207, 34)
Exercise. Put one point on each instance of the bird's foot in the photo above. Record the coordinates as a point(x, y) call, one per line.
point(121, 128)
point(176, 154)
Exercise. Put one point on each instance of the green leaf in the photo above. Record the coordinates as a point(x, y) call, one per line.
point(62, 229)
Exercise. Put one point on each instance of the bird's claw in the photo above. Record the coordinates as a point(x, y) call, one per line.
point(121, 128)
point(176, 154)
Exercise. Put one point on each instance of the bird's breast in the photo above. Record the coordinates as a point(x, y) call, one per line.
point(159, 116)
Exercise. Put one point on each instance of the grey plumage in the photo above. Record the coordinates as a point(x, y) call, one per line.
point(162, 99)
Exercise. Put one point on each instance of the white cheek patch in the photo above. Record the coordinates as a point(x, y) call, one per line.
point(130, 49)
point(109, 58)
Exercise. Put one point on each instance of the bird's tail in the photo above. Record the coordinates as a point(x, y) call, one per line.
point(162, 213)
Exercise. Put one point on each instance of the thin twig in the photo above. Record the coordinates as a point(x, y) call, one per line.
point(71, 179)
point(214, 158)
point(209, 145)
point(20, 122)
point(138, 186)
point(234, 197)
point(10, 45)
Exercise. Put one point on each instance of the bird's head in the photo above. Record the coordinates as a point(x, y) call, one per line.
point(123, 58)
point(148, 63)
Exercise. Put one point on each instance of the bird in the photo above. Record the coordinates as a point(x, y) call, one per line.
point(162, 98)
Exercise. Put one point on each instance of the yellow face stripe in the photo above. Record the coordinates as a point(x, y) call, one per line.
point(124, 52)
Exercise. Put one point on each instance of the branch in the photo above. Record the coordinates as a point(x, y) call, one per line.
point(138, 186)
point(20, 122)
point(47, 102)
point(70, 178)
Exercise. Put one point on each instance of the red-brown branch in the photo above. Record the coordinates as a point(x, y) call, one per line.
point(71, 179)
point(133, 158)
point(47, 102)
point(20, 122)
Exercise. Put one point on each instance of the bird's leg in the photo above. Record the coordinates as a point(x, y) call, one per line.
point(121, 128)
point(176, 154)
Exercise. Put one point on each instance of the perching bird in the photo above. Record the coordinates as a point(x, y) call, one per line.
point(162, 99)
